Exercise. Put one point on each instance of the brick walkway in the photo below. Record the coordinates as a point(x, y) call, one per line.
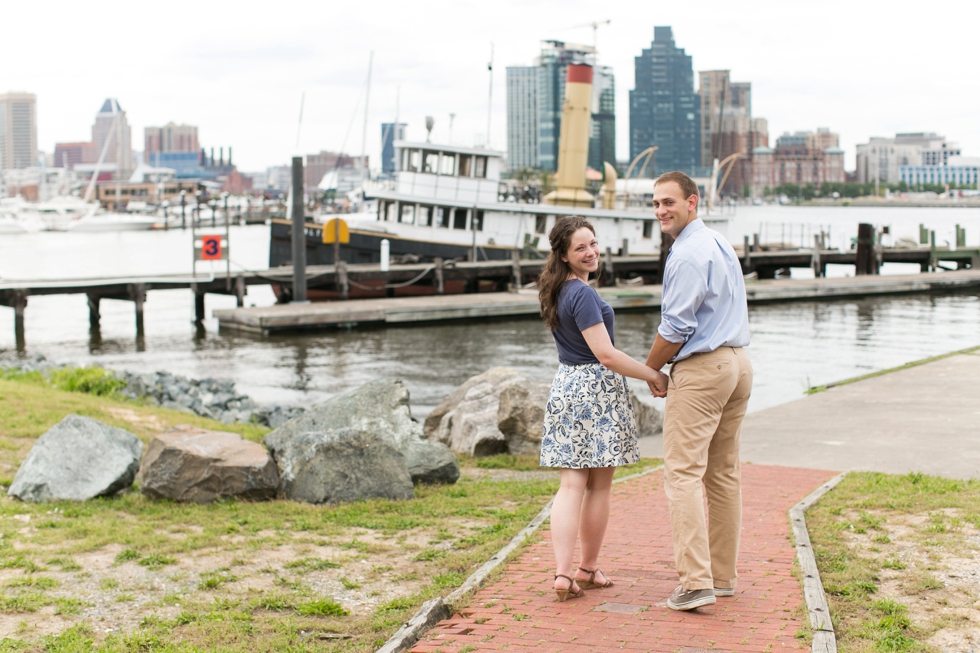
point(519, 612)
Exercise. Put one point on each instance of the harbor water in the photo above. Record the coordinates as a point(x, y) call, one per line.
point(794, 345)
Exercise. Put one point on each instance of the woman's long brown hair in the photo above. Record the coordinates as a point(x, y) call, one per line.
point(556, 271)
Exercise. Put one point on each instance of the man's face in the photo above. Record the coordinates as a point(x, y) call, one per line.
point(673, 209)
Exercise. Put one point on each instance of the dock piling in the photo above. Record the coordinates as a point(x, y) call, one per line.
point(198, 306)
point(19, 303)
point(515, 262)
point(137, 293)
point(299, 233)
point(818, 268)
point(343, 286)
point(440, 279)
point(240, 290)
point(746, 256)
point(626, 247)
point(94, 317)
point(864, 262)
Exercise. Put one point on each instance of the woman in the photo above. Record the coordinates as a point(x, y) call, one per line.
point(589, 428)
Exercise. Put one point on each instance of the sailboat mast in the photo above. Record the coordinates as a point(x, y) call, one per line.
point(367, 98)
point(490, 96)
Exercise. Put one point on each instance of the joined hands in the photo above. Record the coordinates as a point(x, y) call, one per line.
point(658, 386)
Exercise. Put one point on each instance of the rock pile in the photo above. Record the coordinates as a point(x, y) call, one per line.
point(77, 459)
point(210, 398)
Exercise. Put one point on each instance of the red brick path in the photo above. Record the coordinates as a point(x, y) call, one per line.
point(519, 612)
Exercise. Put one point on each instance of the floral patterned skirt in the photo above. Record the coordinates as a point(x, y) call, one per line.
point(589, 420)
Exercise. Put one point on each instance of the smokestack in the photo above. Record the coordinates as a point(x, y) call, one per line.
point(221, 156)
point(229, 155)
point(573, 144)
point(212, 157)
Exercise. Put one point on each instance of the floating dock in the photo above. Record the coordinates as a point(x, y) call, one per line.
point(477, 306)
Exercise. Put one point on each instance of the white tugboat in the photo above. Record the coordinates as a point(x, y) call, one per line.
point(446, 202)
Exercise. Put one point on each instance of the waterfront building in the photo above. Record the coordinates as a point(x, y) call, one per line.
point(169, 138)
point(69, 155)
point(535, 98)
point(721, 99)
point(883, 158)
point(18, 130)
point(390, 132)
point(318, 165)
point(106, 125)
point(958, 170)
point(799, 159)
point(522, 117)
point(664, 109)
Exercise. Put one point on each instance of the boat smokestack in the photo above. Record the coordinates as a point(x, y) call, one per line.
point(573, 144)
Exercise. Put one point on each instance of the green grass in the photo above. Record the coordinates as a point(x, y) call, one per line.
point(821, 388)
point(469, 522)
point(852, 575)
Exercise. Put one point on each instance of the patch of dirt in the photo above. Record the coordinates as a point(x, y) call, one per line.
point(940, 583)
point(119, 596)
point(149, 422)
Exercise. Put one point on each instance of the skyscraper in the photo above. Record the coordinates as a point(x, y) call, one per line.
point(664, 109)
point(18, 130)
point(169, 138)
point(120, 150)
point(522, 117)
point(389, 134)
point(535, 96)
point(721, 99)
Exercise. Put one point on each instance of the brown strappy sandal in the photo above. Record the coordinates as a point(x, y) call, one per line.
point(590, 583)
point(564, 595)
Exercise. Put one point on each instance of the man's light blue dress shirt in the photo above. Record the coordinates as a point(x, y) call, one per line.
point(704, 293)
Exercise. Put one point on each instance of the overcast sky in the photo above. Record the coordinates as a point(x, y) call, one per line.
point(238, 70)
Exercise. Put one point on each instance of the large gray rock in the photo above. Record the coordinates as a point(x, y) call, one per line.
point(337, 465)
point(380, 410)
point(520, 416)
point(467, 419)
point(78, 458)
point(381, 407)
point(187, 463)
point(649, 420)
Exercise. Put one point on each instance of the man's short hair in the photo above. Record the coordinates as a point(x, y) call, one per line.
point(688, 187)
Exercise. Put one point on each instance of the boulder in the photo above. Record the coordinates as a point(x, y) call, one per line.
point(337, 465)
point(78, 458)
point(187, 463)
point(381, 407)
point(520, 416)
point(467, 419)
point(649, 420)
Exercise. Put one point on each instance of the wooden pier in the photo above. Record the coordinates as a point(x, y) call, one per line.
point(448, 289)
point(476, 306)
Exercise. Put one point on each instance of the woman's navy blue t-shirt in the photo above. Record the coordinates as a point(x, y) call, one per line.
point(579, 307)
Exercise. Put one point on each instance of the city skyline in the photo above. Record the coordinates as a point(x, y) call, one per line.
point(240, 80)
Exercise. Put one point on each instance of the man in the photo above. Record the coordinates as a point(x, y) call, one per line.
point(703, 328)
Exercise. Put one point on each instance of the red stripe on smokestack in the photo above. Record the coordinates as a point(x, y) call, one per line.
point(579, 73)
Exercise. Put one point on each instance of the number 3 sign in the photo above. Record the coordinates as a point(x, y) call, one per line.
point(211, 248)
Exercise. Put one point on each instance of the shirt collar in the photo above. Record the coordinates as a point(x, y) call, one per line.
point(695, 225)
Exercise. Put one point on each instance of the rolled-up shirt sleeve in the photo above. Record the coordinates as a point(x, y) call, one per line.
point(682, 298)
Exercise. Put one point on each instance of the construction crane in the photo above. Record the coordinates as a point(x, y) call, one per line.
point(595, 25)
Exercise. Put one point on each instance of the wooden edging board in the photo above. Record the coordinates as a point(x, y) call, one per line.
point(824, 639)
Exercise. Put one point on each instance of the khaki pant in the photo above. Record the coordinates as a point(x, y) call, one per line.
point(706, 401)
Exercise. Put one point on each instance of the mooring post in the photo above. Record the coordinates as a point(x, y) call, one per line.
point(19, 302)
point(923, 234)
point(626, 247)
point(299, 234)
point(864, 256)
point(932, 251)
point(343, 285)
point(440, 281)
point(240, 290)
point(198, 305)
point(94, 316)
point(515, 269)
point(755, 242)
point(746, 256)
point(137, 293)
point(609, 269)
point(815, 259)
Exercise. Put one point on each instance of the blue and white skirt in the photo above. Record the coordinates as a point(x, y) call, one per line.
point(589, 420)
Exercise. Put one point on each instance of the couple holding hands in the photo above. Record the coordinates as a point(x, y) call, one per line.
point(589, 428)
